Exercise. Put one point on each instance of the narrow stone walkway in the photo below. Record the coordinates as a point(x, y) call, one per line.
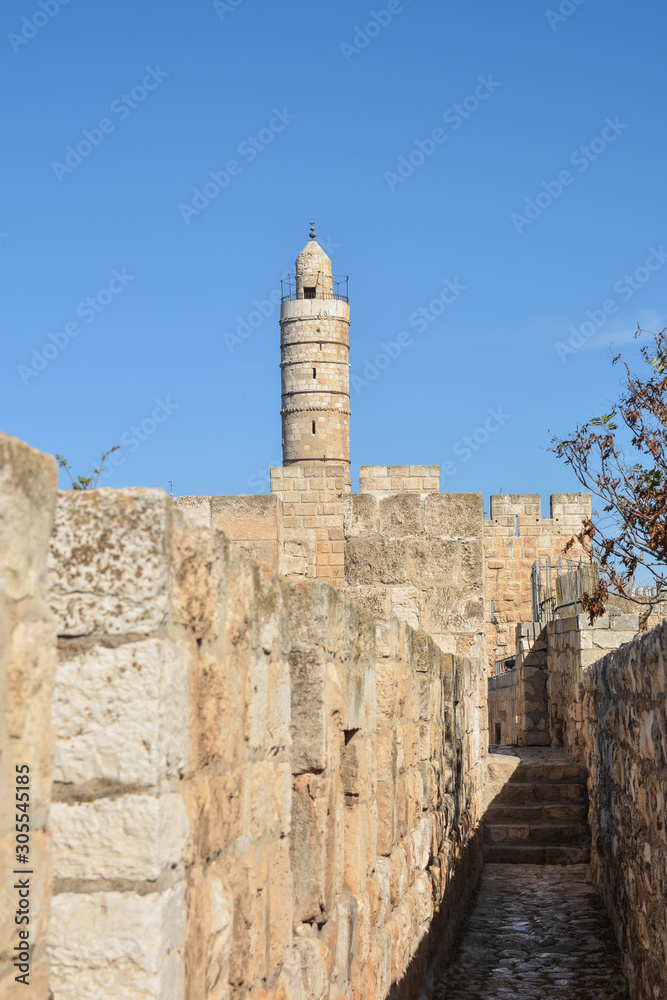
point(538, 932)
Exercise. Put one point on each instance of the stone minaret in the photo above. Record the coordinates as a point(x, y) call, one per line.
point(314, 352)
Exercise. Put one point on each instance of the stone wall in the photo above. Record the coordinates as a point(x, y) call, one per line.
point(254, 522)
point(420, 556)
point(27, 668)
point(573, 646)
point(312, 499)
point(260, 792)
point(516, 536)
point(503, 709)
point(401, 547)
point(626, 755)
point(398, 547)
point(385, 480)
point(609, 704)
point(532, 685)
point(297, 530)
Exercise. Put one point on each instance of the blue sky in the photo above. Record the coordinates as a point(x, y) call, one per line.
point(534, 198)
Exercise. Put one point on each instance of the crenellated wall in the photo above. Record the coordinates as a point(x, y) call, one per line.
point(515, 536)
point(401, 547)
point(259, 790)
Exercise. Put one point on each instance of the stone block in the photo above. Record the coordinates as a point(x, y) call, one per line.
point(451, 609)
point(26, 694)
point(120, 714)
point(313, 848)
point(361, 518)
point(267, 553)
point(405, 604)
point(401, 516)
point(356, 820)
point(386, 817)
point(198, 508)
point(625, 623)
point(434, 562)
point(131, 837)
point(372, 562)
point(209, 934)
point(27, 498)
point(118, 944)
point(454, 515)
point(376, 600)
point(108, 565)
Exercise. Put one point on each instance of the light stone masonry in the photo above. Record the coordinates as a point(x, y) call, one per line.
point(27, 670)
point(261, 791)
point(516, 536)
point(609, 705)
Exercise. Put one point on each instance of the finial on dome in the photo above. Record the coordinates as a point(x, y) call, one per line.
point(313, 234)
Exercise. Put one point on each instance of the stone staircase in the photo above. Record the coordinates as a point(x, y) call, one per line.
point(535, 808)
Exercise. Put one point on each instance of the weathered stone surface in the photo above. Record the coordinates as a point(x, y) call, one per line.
point(120, 714)
point(401, 515)
point(107, 566)
point(361, 515)
point(454, 515)
point(131, 837)
point(198, 508)
point(371, 562)
point(132, 945)
point(27, 491)
point(27, 668)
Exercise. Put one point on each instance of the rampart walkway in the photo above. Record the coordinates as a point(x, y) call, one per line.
point(537, 931)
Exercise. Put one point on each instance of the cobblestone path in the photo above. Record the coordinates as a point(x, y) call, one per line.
point(537, 932)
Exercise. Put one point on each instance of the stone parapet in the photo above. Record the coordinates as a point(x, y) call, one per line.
point(607, 700)
point(260, 791)
point(573, 645)
point(27, 670)
point(419, 556)
point(384, 480)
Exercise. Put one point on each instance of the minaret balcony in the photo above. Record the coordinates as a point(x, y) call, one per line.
point(316, 286)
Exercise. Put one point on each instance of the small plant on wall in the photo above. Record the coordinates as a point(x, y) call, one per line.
point(86, 482)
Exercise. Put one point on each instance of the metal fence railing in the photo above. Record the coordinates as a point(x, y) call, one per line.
point(320, 286)
point(558, 586)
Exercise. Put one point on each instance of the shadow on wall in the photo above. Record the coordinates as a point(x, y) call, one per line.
point(436, 949)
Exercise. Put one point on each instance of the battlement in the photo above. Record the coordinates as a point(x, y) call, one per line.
point(401, 547)
point(384, 480)
point(516, 536)
point(506, 507)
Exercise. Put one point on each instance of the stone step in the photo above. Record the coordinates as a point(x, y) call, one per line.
point(534, 793)
point(506, 854)
point(537, 834)
point(550, 772)
point(518, 812)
